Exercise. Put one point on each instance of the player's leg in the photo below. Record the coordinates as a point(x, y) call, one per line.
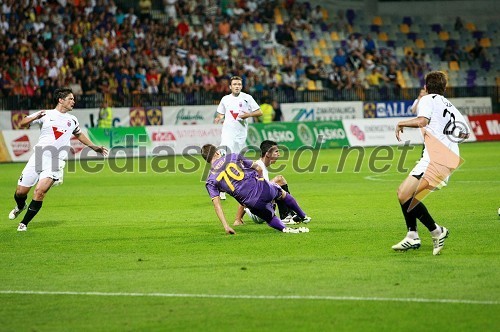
point(41, 190)
point(292, 204)
point(438, 233)
point(285, 212)
point(405, 193)
point(51, 175)
point(28, 179)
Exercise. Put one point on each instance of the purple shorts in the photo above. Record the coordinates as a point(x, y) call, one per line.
point(263, 206)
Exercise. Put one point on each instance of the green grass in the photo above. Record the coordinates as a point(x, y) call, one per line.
point(157, 233)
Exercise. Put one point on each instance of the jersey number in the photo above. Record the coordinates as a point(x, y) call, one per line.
point(229, 173)
point(450, 126)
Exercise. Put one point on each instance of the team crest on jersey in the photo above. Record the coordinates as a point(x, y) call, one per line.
point(69, 123)
point(241, 105)
point(234, 114)
point(59, 132)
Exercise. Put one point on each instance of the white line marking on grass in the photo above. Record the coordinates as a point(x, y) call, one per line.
point(257, 297)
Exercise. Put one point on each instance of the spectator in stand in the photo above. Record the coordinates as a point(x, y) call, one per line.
point(340, 58)
point(284, 36)
point(268, 113)
point(278, 114)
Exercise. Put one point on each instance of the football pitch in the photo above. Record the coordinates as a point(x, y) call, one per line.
point(137, 246)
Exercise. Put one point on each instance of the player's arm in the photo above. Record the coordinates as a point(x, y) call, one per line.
point(218, 118)
point(27, 120)
point(221, 216)
point(256, 167)
point(418, 122)
point(254, 114)
point(85, 140)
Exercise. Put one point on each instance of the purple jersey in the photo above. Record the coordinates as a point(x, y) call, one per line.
point(233, 174)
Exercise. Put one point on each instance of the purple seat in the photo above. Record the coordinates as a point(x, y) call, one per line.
point(254, 43)
point(437, 50)
point(248, 51)
point(486, 65)
point(477, 34)
point(436, 28)
point(300, 43)
point(471, 82)
point(472, 73)
point(312, 35)
point(407, 20)
point(391, 43)
point(324, 26)
point(412, 36)
point(374, 28)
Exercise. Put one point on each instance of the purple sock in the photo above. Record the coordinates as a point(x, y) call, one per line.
point(276, 223)
point(292, 204)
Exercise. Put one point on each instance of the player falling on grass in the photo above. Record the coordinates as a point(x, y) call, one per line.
point(235, 108)
point(242, 179)
point(46, 166)
point(443, 128)
point(269, 154)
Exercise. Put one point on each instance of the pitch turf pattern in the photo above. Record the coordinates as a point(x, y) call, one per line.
point(149, 234)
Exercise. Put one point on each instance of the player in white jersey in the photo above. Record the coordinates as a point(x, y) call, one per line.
point(443, 127)
point(269, 154)
point(45, 166)
point(235, 108)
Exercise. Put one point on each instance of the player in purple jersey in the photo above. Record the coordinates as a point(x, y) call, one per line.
point(242, 179)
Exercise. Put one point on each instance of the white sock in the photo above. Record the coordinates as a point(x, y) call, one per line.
point(437, 231)
point(412, 235)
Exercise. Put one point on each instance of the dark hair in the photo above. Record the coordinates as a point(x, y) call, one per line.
point(208, 151)
point(435, 82)
point(265, 146)
point(235, 78)
point(61, 93)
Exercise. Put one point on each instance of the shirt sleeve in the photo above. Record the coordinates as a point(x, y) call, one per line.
point(424, 107)
point(212, 189)
point(77, 130)
point(38, 122)
point(221, 109)
point(247, 163)
point(253, 104)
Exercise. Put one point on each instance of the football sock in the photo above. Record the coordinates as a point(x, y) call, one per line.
point(292, 204)
point(437, 231)
point(420, 212)
point(20, 200)
point(411, 220)
point(276, 223)
point(412, 235)
point(33, 209)
point(283, 209)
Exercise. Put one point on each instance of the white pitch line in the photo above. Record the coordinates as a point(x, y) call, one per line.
point(258, 297)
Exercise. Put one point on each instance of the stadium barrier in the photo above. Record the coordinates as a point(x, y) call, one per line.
point(17, 145)
point(204, 114)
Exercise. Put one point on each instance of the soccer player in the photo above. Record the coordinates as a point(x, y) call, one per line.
point(45, 167)
point(269, 154)
point(443, 128)
point(241, 178)
point(235, 108)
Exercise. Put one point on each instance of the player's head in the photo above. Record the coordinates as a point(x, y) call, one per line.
point(208, 151)
point(64, 97)
point(435, 82)
point(235, 84)
point(269, 149)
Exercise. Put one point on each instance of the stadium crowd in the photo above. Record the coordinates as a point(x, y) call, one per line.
point(96, 46)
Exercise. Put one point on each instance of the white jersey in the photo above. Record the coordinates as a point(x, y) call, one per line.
point(445, 121)
point(56, 130)
point(265, 172)
point(232, 107)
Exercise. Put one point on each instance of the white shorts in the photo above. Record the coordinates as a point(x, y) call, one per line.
point(437, 175)
point(232, 145)
point(48, 168)
point(254, 217)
